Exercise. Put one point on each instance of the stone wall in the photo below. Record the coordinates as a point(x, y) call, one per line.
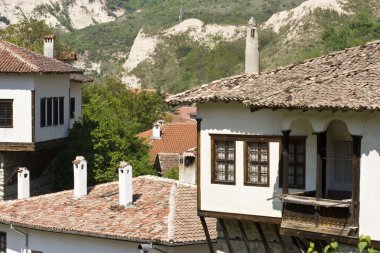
point(42, 178)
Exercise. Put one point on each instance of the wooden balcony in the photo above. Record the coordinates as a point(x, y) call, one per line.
point(305, 213)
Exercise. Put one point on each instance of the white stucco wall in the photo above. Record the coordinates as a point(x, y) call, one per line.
point(236, 119)
point(76, 92)
point(48, 242)
point(18, 88)
point(52, 86)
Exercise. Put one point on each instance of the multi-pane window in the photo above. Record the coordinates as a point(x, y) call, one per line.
point(52, 111)
point(3, 242)
point(6, 113)
point(257, 163)
point(297, 155)
point(223, 164)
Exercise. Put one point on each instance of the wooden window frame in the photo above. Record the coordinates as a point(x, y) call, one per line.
point(293, 139)
point(225, 138)
point(52, 111)
point(8, 101)
point(246, 161)
point(4, 235)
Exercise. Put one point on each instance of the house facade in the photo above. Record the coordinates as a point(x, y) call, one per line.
point(40, 98)
point(292, 155)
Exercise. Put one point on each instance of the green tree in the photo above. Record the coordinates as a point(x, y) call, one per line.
point(112, 116)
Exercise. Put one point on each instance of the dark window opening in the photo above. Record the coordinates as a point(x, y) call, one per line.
point(61, 111)
point(43, 112)
point(3, 242)
point(49, 111)
point(6, 113)
point(72, 108)
point(55, 111)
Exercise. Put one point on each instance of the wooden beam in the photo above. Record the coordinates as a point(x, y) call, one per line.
point(33, 94)
point(285, 161)
point(226, 236)
point(356, 155)
point(244, 235)
point(277, 232)
point(319, 191)
point(237, 216)
point(207, 234)
point(262, 236)
point(298, 244)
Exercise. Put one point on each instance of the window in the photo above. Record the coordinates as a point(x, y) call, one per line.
point(49, 105)
point(3, 242)
point(223, 161)
point(257, 163)
point(297, 155)
point(252, 33)
point(72, 108)
point(6, 113)
point(52, 111)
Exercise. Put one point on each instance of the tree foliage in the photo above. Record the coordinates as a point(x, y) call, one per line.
point(112, 116)
point(356, 31)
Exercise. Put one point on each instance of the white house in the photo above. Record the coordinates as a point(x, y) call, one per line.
point(146, 214)
point(40, 98)
point(317, 122)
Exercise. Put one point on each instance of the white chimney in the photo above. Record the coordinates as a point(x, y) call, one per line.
point(252, 56)
point(187, 168)
point(49, 46)
point(23, 183)
point(80, 177)
point(125, 184)
point(156, 132)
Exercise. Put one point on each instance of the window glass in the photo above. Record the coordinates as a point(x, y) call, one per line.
point(257, 165)
point(6, 113)
point(224, 161)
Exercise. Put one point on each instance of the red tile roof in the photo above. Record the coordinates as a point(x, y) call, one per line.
point(344, 80)
point(176, 137)
point(166, 161)
point(164, 211)
point(15, 59)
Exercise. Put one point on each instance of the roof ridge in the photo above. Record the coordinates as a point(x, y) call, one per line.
point(5, 45)
point(172, 212)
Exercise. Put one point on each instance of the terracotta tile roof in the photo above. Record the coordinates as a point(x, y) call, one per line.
point(81, 78)
point(166, 161)
point(176, 137)
point(15, 59)
point(164, 211)
point(345, 80)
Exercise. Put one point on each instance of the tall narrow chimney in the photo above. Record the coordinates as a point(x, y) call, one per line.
point(125, 184)
point(49, 46)
point(80, 177)
point(252, 58)
point(23, 183)
point(156, 132)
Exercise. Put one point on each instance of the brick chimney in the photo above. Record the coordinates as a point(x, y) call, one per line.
point(23, 183)
point(125, 185)
point(49, 46)
point(80, 177)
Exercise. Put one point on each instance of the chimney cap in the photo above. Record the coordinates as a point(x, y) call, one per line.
point(124, 164)
point(78, 159)
point(22, 169)
point(252, 22)
point(49, 37)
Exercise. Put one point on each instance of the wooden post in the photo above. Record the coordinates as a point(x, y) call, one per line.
point(224, 228)
point(277, 232)
point(319, 191)
point(198, 179)
point(205, 229)
point(285, 161)
point(242, 231)
point(262, 236)
point(356, 155)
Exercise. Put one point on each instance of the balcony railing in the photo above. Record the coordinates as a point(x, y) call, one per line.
point(328, 216)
